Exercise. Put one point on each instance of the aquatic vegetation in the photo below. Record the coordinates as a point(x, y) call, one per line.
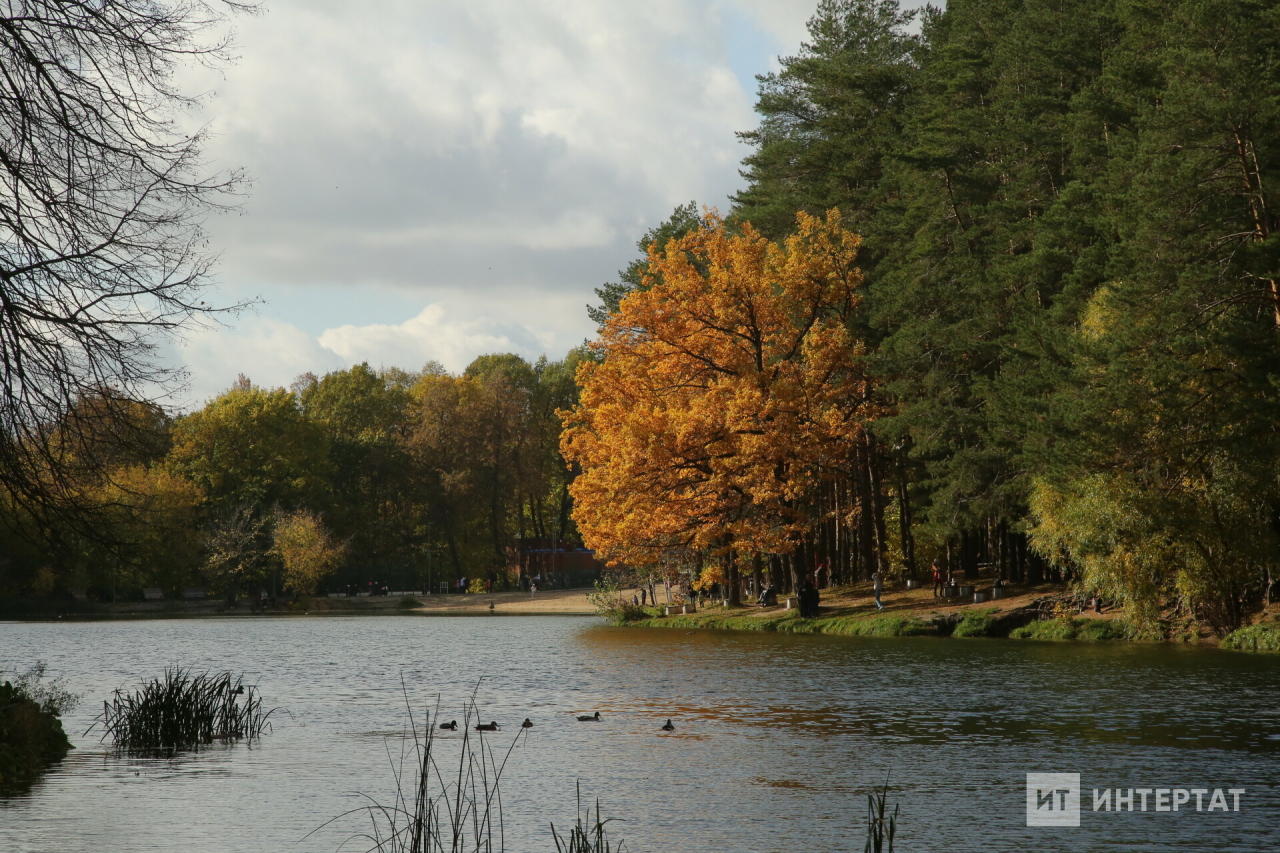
point(1254, 638)
point(31, 733)
point(454, 804)
point(182, 710)
point(587, 835)
point(880, 830)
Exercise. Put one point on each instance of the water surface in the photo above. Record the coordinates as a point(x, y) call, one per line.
point(778, 738)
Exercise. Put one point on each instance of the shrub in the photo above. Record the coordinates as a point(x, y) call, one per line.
point(632, 613)
point(31, 733)
point(408, 602)
point(1254, 638)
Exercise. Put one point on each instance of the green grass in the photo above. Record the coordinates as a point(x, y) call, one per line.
point(628, 613)
point(979, 624)
point(1088, 630)
point(788, 622)
point(1254, 638)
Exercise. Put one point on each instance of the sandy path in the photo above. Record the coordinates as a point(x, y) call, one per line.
point(545, 602)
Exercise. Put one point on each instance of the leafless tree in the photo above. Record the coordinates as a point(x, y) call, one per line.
point(102, 201)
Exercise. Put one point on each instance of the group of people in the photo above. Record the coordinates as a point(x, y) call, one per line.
point(807, 599)
point(374, 588)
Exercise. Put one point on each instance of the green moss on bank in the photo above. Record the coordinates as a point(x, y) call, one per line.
point(1254, 638)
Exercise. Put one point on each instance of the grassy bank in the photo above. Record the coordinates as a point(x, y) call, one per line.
point(1254, 638)
point(983, 623)
point(1041, 612)
point(1022, 616)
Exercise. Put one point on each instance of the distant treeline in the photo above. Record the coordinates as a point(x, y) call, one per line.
point(1066, 327)
point(358, 476)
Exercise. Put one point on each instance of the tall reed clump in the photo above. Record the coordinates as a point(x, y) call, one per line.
point(182, 710)
point(447, 805)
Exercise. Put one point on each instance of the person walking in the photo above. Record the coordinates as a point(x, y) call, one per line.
point(937, 579)
point(877, 585)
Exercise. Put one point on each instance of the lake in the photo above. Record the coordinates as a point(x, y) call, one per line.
point(778, 738)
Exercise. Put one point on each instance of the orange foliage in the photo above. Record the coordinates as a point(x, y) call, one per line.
point(724, 394)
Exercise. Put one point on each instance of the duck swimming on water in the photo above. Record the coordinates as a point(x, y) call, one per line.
point(487, 727)
point(527, 724)
point(668, 727)
point(590, 718)
point(452, 725)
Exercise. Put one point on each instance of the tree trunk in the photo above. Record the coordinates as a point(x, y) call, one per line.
point(734, 582)
point(904, 522)
point(866, 521)
point(877, 506)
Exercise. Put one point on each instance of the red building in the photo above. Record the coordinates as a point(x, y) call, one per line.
point(554, 564)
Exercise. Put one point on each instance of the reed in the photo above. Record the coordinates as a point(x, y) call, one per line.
point(446, 804)
point(880, 829)
point(182, 710)
point(587, 835)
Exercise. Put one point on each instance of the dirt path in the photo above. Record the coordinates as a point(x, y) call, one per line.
point(545, 602)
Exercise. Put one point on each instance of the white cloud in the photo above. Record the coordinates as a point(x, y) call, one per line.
point(430, 336)
point(270, 352)
point(273, 353)
point(493, 160)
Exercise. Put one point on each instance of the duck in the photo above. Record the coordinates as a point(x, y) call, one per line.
point(668, 727)
point(589, 718)
point(238, 691)
point(487, 727)
point(452, 725)
point(527, 724)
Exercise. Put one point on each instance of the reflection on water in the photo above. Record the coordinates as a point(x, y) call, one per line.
point(778, 738)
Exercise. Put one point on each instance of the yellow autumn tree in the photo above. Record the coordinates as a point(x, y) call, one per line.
point(306, 550)
point(723, 393)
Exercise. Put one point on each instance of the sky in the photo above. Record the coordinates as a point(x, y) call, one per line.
point(433, 180)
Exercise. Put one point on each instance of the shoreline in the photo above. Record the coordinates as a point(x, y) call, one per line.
point(1038, 612)
point(559, 602)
